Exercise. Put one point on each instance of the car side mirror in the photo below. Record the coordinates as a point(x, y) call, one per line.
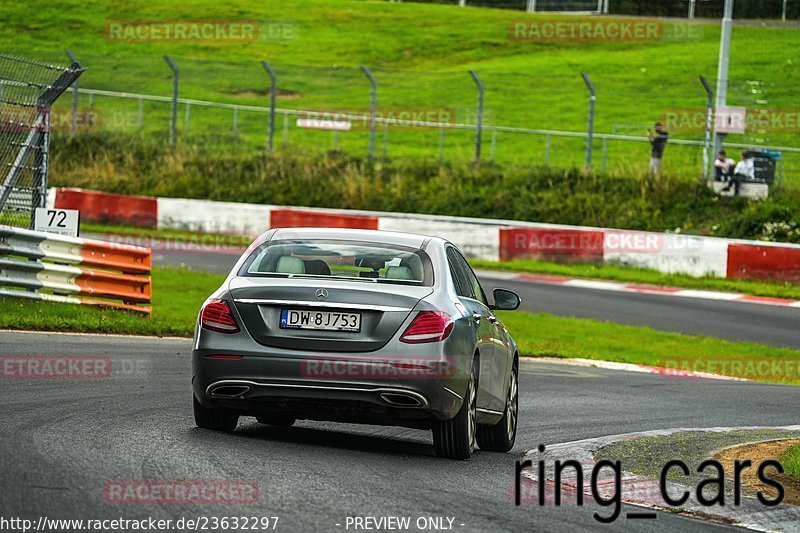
point(505, 300)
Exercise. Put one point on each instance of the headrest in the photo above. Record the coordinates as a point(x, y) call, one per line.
point(290, 265)
point(403, 273)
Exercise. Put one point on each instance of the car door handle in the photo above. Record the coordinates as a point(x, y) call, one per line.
point(492, 319)
point(476, 317)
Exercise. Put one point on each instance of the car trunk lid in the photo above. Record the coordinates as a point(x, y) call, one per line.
point(383, 307)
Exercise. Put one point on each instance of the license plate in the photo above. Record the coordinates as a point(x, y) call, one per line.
point(321, 320)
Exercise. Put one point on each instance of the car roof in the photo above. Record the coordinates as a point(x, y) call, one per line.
point(396, 238)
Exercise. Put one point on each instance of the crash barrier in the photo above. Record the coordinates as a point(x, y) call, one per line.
point(493, 240)
point(45, 266)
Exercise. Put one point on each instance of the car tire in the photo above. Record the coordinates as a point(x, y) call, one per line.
point(455, 438)
point(218, 418)
point(279, 421)
point(501, 436)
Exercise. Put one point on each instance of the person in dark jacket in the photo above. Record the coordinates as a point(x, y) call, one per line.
point(658, 141)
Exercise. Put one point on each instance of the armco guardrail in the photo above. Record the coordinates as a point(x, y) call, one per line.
point(45, 266)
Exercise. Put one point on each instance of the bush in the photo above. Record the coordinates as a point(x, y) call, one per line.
point(138, 165)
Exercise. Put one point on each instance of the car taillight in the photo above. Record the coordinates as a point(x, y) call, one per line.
point(217, 316)
point(428, 326)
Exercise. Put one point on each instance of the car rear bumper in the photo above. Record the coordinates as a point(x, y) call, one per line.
point(345, 387)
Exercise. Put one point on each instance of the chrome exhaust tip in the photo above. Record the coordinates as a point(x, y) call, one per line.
point(400, 400)
point(229, 391)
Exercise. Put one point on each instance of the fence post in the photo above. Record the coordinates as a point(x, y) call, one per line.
point(590, 126)
point(173, 121)
point(373, 104)
point(73, 125)
point(273, 90)
point(709, 117)
point(531, 7)
point(547, 149)
point(479, 121)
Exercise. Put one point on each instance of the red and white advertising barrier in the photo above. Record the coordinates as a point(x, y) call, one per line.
point(479, 238)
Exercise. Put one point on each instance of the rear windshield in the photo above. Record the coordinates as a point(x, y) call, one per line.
point(347, 260)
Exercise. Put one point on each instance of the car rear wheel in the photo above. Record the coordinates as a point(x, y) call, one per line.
point(279, 421)
point(501, 436)
point(218, 418)
point(455, 438)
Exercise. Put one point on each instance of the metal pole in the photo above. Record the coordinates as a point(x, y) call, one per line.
point(605, 153)
point(590, 126)
point(173, 121)
point(722, 72)
point(273, 94)
point(691, 8)
point(462, 3)
point(709, 123)
point(783, 12)
point(547, 149)
point(531, 7)
point(385, 139)
point(373, 104)
point(479, 121)
point(73, 127)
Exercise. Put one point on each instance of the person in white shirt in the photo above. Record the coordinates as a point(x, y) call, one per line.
point(745, 171)
point(723, 166)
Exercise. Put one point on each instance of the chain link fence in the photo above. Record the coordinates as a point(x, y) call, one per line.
point(27, 92)
point(526, 118)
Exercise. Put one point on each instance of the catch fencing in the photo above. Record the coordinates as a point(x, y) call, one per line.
point(48, 267)
point(524, 118)
point(28, 89)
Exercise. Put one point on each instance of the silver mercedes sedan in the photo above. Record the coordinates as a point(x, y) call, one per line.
point(358, 326)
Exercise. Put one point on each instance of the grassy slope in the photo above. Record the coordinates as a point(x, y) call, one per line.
point(636, 81)
point(791, 462)
point(179, 293)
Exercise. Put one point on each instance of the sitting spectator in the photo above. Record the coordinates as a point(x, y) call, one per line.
point(745, 171)
point(723, 166)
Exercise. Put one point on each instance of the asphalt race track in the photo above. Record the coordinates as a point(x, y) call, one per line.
point(766, 324)
point(63, 440)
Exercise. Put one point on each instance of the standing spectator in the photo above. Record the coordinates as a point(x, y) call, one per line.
point(658, 141)
point(723, 166)
point(745, 171)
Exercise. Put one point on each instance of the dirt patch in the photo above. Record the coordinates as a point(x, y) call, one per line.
point(757, 453)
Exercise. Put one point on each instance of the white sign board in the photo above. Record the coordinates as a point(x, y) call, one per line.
point(60, 221)
point(730, 119)
point(324, 124)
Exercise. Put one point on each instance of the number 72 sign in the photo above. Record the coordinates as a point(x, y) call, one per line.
point(61, 221)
